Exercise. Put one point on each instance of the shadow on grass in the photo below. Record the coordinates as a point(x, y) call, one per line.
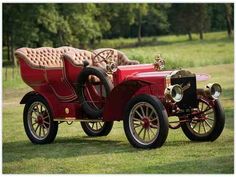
point(62, 148)
point(70, 147)
point(222, 164)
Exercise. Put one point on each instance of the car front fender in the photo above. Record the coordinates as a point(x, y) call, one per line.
point(118, 98)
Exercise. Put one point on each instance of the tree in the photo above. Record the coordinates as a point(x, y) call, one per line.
point(181, 19)
point(156, 21)
point(228, 17)
point(120, 17)
point(19, 28)
point(140, 11)
point(202, 20)
point(188, 18)
point(83, 24)
point(217, 19)
point(82, 21)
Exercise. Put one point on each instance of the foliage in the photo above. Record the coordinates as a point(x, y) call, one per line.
point(156, 22)
point(217, 19)
point(188, 18)
point(84, 25)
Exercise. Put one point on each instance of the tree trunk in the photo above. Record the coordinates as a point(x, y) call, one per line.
point(60, 36)
point(229, 26)
point(201, 34)
point(190, 36)
point(8, 48)
point(228, 14)
point(139, 27)
point(13, 60)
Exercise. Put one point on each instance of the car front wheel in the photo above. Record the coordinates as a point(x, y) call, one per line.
point(208, 122)
point(146, 122)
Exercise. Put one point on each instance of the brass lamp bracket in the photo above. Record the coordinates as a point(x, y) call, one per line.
point(159, 62)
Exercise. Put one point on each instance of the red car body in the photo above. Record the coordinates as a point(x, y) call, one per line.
point(57, 86)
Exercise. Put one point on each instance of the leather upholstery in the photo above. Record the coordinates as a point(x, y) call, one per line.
point(47, 57)
point(77, 56)
point(44, 57)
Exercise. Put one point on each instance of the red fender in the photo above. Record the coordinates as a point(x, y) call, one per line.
point(118, 98)
point(57, 108)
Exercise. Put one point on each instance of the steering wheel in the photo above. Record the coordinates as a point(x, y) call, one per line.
point(110, 65)
point(106, 58)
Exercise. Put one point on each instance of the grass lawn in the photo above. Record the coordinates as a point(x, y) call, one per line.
point(179, 52)
point(74, 152)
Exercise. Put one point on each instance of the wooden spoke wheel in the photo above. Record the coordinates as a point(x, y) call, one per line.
point(38, 123)
point(206, 123)
point(146, 124)
point(97, 128)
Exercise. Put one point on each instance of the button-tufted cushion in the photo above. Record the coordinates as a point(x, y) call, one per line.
point(44, 57)
point(117, 56)
point(77, 56)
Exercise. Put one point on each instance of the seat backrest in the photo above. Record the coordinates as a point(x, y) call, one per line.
point(78, 56)
point(44, 57)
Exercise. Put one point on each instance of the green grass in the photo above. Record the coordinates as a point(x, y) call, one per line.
point(157, 40)
point(73, 152)
point(179, 52)
point(12, 79)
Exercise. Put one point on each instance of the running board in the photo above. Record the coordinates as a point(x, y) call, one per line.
point(78, 120)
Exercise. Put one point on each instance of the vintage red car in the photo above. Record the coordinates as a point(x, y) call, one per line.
point(103, 86)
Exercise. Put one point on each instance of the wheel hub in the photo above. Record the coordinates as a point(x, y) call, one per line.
point(39, 120)
point(146, 122)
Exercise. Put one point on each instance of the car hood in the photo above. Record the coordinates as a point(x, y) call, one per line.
point(162, 74)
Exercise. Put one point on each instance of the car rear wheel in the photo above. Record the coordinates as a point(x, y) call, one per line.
point(208, 123)
point(146, 122)
point(97, 128)
point(38, 122)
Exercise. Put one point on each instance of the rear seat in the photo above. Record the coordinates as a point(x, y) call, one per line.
point(44, 57)
point(48, 57)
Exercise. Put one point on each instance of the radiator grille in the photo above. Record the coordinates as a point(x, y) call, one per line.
point(190, 92)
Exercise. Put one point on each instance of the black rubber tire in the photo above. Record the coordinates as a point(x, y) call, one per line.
point(105, 130)
point(100, 73)
point(53, 124)
point(163, 120)
point(217, 129)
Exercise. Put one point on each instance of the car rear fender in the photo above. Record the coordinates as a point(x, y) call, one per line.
point(27, 96)
point(47, 97)
point(118, 98)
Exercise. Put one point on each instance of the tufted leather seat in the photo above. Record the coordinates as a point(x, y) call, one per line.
point(77, 56)
point(44, 57)
point(118, 57)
